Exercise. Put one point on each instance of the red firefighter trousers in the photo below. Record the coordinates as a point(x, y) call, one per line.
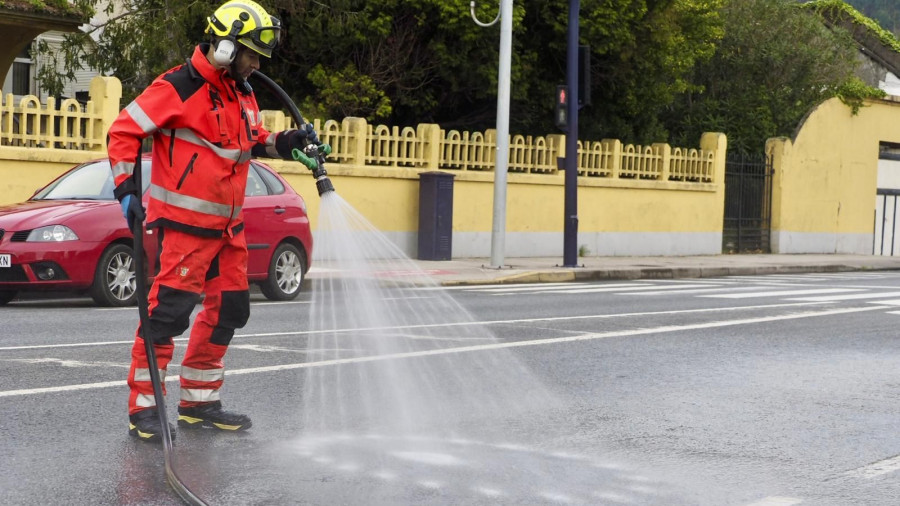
point(190, 265)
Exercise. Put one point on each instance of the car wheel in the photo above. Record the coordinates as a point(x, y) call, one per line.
point(6, 296)
point(285, 273)
point(115, 283)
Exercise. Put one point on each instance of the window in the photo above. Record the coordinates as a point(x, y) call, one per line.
point(21, 72)
point(273, 183)
point(255, 185)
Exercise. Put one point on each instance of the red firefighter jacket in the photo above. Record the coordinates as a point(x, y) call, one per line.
point(204, 127)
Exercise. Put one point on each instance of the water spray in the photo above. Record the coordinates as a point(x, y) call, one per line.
point(312, 155)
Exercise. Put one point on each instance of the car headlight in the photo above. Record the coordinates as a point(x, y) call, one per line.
point(52, 233)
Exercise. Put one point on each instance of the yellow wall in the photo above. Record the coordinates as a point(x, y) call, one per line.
point(823, 198)
point(22, 170)
point(631, 199)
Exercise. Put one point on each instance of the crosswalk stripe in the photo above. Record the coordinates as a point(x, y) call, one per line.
point(891, 302)
point(631, 288)
point(492, 285)
point(876, 469)
point(781, 293)
point(851, 296)
point(566, 287)
point(692, 291)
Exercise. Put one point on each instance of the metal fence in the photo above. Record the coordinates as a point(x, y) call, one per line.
point(748, 203)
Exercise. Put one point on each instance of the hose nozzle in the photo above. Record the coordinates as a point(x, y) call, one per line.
point(323, 185)
point(313, 156)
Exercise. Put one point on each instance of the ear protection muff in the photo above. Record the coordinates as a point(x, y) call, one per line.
point(226, 47)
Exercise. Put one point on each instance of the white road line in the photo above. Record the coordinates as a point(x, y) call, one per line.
point(852, 296)
point(448, 324)
point(781, 293)
point(451, 324)
point(876, 469)
point(698, 280)
point(627, 288)
point(692, 291)
point(590, 336)
point(776, 501)
point(274, 303)
point(493, 285)
point(892, 302)
point(542, 289)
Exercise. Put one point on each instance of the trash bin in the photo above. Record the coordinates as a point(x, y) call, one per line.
point(435, 215)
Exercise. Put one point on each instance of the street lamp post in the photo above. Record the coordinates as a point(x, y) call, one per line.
point(570, 230)
point(498, 230)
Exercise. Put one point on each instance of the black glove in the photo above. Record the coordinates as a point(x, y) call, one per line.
point(289, 140)
point(132, 210)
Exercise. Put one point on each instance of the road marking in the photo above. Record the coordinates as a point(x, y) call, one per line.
point(852, 296)
point(590, 336)
point(776, 501)
point(891, 302)
point(492, 285)
point(274, 303)
point(450, 324)
point(781, 293)
point(627, 288)
point(876, 469)
point(697, 290)
point(564, 286)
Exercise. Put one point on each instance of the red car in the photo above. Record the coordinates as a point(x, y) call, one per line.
point(71, 236)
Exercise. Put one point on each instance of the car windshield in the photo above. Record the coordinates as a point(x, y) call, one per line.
point(91, 181)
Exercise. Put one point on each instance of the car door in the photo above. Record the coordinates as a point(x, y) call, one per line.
point(264, 214)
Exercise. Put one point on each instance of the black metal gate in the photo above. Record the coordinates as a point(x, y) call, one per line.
point(885, 239)
point(748, 203)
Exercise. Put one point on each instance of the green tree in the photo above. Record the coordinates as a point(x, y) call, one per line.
point(775, 62)
point(885, 12)
point(411, 61)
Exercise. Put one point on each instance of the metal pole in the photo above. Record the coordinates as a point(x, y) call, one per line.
point(570, 233)
point(498, 231)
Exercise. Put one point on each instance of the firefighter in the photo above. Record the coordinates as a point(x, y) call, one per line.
point(206, 126)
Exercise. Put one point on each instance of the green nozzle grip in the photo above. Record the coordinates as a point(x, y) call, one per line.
point(301, 157)
point(325, 149)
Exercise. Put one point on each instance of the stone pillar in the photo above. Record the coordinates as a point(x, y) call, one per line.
point(664, 153)
point(429, 135)
point(356, 131)
point(779, 148)
point(614, 148)
point(106, 95)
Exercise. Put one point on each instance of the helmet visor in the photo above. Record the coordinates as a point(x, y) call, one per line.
point(262, 40)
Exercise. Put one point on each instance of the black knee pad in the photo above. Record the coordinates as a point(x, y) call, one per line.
point(233, 314)
point(172, 314)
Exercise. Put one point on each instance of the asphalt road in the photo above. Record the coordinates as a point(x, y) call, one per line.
point(766, 390)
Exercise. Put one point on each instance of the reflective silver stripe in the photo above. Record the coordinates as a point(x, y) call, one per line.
point(145, 401)
point(192, 374)
point(141, 118)
point(234, 155)
point(199, 395)
point(120, 168)
point(272, 152)
point(193, 203)
point(144, 374)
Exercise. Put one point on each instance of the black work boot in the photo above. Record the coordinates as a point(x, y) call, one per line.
point(145, 426)
point(211, 414)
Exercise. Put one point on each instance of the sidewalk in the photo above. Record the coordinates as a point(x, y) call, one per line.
point(473, 271)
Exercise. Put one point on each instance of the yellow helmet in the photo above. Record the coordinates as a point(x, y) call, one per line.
point(248, 23)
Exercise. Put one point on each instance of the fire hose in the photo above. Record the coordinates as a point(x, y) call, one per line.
point(141, 292)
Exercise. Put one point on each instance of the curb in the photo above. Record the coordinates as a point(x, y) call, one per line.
point(629, 273)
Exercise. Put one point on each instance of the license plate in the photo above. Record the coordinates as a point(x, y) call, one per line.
point(5, 260)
